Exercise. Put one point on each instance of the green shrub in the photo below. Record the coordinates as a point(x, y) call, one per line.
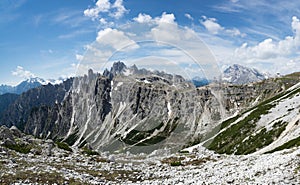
point(184, 152)
point(261, 139)
point(287, 145)
point(232, 140)
point(227, 122)
point(134, 137)
point(176, 163)
point(63, 146)
point(21, 148)
point(89, 151)
point(72, 138)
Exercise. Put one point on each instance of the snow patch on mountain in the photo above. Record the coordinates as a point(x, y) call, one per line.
point(286, 110)
point(42, 81)
point(27, 84)
point(237, 74)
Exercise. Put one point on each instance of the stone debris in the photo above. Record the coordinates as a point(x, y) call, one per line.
point(45, 163)
point(198, 167)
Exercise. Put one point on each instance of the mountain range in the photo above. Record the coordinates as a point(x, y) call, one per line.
point(26, 85)
point(136, 110)
point(235, 74)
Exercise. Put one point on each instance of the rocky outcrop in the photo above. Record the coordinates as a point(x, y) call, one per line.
point(6, 134)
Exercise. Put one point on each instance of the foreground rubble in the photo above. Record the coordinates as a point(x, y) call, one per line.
point(45, 163)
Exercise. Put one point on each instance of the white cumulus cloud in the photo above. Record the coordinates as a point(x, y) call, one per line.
point(21, 72)
point(269, 48)
point(164, 28)
point(114, 38)
point(114, 10)
point(166, 18)
point(119, 11)
point(143, 18)
point(101, 6)
point(213, 27)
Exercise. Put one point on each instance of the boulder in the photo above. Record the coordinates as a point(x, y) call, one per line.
point(47, 150)
point(35, 151)
point(6, 133)
point(111, 159)
point(9, 142)
point(15, 131)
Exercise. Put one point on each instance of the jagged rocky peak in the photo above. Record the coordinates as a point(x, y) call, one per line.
point(134, 68)
point(238, 74)
point(90, 73)
point(119, 68)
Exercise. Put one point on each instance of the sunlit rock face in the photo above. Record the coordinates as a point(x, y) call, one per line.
point(128, 108)
point(140, 112)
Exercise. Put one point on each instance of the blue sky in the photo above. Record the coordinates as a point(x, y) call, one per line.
point(50, 38)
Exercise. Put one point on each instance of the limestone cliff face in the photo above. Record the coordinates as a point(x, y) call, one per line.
point(139, 113)
point(242, 97)
point(134, 109)
point(143, 111)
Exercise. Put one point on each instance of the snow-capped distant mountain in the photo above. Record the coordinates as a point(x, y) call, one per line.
point(21, 87)
point(35, 80)
point(26, 85)
point(237, 74)
point(44, 82)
